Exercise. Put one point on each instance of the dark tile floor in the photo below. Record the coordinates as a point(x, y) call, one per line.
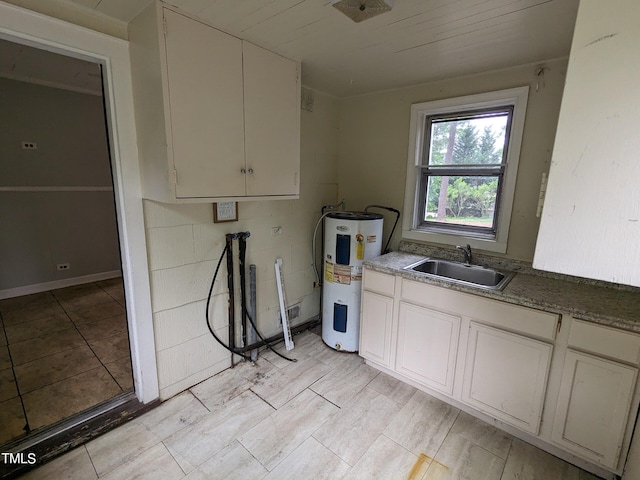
point(61, 352)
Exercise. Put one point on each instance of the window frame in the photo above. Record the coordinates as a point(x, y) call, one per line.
point(414, 225)
point(489, 170)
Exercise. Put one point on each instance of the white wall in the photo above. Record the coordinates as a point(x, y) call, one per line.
point(75, 223)
point(374, 136)
point(184, 245)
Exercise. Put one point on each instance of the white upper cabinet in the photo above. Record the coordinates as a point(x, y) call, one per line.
point(217, 117)
point(207, 146)
point(591, 219)
point(272, 122)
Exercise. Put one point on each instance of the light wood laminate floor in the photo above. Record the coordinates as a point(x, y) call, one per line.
point(328, 416)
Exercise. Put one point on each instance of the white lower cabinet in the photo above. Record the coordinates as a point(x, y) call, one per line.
point(506, 376)
point(567, 385)
point(427, 346)
point(375, 327)
point(593, 407)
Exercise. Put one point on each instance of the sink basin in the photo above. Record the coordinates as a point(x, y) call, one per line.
point(472, 275)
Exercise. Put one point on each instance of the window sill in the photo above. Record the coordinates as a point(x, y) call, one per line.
point(488, 245)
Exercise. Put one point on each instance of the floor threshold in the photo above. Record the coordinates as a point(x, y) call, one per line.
point(56, 439)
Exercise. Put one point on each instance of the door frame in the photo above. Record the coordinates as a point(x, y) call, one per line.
point(36, 30)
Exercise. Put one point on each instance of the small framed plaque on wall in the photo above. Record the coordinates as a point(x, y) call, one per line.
point(225, 212)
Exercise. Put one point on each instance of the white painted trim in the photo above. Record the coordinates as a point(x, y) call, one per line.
point(47, 83)
point(66, 282)
point(514, 96)
point(34, 29)
point(55, 189)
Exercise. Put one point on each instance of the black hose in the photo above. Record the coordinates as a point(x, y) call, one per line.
point(391, 209)
point(243, 280)
point(226, 250)
point(315, 263)
point(266, 343)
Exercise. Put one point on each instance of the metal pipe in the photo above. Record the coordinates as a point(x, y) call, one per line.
point(230, 286)
point(280, 338)
point(252, 310)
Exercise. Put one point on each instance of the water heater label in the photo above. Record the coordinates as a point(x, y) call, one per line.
point(372, 238)
point(359, 246)
point(356, 274)
point(342, 274)
point(328, 272)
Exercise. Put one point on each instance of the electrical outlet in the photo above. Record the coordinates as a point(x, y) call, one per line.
point(29, 145)
point(64, 266)
point(306, 99)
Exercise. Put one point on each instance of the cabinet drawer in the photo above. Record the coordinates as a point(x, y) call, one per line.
point(379, 282)
point(515, 318)
point(606, 341)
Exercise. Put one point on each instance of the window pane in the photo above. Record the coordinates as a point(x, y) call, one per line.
point(461, 200)
point(468, 140)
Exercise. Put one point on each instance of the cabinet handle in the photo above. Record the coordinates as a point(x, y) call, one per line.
point(243, 170)
point(251, 170)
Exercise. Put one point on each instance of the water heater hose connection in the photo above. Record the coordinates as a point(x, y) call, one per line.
point(390, 209)
point(332, 208)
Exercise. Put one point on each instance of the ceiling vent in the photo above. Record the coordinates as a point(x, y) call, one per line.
point(359, 10)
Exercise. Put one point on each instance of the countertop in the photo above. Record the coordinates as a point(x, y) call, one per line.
point(580, 298)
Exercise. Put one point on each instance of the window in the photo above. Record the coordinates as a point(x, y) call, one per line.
point(462, 168)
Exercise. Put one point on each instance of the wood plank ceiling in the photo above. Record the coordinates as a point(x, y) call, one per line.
point(417, 41)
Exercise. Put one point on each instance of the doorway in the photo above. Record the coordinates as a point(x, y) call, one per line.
point(29, 28)
point(64, 345)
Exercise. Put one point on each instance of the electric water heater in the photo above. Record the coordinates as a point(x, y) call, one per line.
point(349, 239)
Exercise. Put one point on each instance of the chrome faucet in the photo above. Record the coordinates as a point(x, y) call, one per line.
point(467, 253)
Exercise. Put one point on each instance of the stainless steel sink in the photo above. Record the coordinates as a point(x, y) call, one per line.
point(472, 275)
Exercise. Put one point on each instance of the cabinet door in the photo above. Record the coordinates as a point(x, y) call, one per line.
point(427, 346)
point(272, 122)
point(593, 407)
point(375, 328)
point(204, 73)
point(591, 199)
point(506, 375)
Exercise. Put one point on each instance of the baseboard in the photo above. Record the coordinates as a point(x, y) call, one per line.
point(67, 282)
